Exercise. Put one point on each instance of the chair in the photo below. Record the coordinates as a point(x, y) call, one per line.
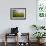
point(7, 35)
point(26, 37)
point(14, 32)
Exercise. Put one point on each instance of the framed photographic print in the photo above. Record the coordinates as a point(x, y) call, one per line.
point(17, 13)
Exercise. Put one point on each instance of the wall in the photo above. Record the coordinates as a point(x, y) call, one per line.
point(24, 25)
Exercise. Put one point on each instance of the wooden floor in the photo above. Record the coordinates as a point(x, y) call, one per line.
point(13, 44)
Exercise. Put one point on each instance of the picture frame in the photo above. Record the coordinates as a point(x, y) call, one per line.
point(17, 13)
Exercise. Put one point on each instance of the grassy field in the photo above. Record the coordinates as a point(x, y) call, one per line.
point(16, 14)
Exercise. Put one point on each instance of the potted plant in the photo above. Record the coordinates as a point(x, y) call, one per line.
point(38, 27)
point(42, 27)
point(39, 36)
point(35, 27)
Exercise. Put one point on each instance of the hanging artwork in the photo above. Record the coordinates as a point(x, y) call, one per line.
point(17, 13)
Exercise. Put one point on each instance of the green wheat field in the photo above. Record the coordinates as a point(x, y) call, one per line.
point(18, 14)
